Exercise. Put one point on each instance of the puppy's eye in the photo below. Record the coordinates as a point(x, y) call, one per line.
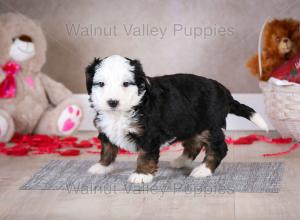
point(125, 84)
point(101, 84)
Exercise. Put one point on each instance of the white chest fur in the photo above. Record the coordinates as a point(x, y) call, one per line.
point(116, 126)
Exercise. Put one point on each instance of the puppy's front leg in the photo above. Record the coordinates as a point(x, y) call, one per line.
point(146, 167)
point(108, 155)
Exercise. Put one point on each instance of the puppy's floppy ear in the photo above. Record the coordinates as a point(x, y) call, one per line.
point(90, 72)
point(141, 80)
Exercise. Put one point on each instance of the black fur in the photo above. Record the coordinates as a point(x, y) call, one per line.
point(241, 109)
point(179, 106)
point(90, 72)
point(139, 75)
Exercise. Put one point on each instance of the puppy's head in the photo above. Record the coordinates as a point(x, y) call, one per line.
point(115, 83)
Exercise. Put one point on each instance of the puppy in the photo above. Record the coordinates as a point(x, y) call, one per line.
point(140, 114)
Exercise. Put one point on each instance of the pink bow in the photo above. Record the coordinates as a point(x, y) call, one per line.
point(8, 87)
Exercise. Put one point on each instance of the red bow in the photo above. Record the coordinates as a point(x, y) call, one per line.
point(8, 87)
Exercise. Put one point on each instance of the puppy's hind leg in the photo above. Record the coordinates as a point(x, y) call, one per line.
point(216, 150)
point(192, 148)
point(108, 155)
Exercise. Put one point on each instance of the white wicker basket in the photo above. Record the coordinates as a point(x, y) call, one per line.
point(283, 108)
point(282, 102)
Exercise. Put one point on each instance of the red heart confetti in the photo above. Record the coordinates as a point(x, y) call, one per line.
point(39, 144)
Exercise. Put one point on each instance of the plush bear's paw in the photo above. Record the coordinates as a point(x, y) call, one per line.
point(3, 127)
point(140, 178)
point(99, 169)
point(69, 119)
point(201, 171)
point(181, 161)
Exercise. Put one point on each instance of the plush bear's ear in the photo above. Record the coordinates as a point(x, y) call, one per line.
point(90, 72)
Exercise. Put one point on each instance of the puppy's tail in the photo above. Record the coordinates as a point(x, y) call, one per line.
point(247, 112)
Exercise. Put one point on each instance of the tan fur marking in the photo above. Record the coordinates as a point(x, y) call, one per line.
point(211, 160)
point(193, 146)
point(145, 165)
point(108, 154)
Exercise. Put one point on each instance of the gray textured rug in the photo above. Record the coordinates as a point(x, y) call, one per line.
point(72, 175)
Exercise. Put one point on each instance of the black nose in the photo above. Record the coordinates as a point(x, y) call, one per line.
point(285, 40)
point(113, 103)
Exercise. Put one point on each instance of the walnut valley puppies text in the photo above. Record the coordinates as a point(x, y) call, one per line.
point(149, 30)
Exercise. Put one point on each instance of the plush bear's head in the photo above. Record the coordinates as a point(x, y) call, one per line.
point(282, 38)
point(23, 41)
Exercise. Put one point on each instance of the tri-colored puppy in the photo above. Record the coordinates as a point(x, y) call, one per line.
point(141, 114)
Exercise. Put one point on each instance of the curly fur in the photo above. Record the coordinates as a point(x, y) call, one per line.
point(156, 110)
point(281, 41)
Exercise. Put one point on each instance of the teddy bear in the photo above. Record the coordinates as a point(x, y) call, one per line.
point(281, 41)
point(30, 101)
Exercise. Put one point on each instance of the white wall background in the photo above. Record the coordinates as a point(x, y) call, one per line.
point(219, 57)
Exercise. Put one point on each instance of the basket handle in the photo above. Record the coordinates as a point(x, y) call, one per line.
point(260, 45)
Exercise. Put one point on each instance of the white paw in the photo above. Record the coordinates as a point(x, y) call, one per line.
point(69, 119)
point(140, 178)
point(99, 169)
point(3, 126)
point(182, 161)
point(201, 171)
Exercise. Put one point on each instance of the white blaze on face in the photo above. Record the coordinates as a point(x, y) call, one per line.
point(116, 122)
point(114, 71)
point(21, 50)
